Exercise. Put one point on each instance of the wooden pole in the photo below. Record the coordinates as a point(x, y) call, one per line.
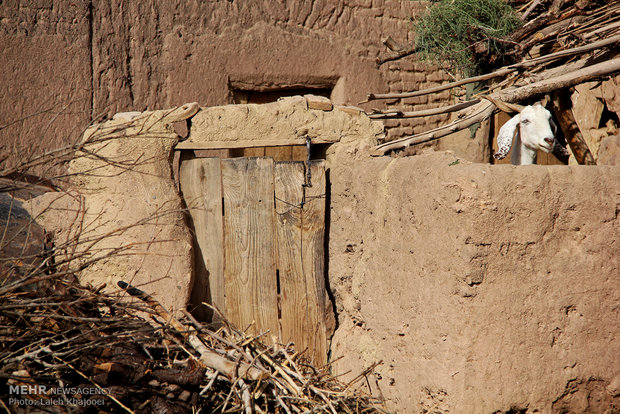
point(563, 109)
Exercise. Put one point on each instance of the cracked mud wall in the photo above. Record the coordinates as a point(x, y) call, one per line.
point(123, 219)
point(65, 64)
point(481, 288)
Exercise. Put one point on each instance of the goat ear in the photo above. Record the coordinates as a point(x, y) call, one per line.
point(505, 136)
point(554, 127)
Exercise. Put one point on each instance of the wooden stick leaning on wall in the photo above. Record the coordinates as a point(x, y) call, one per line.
point(480, 112)
point(563, 110)
point(391, 113)
point(566, 80)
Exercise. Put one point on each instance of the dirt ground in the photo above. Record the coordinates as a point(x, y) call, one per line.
point(480, 288)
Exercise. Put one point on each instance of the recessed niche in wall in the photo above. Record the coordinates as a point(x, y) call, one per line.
point(245, 96)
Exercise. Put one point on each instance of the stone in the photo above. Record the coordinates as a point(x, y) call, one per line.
point(614, 387)
point(126, 116)
point(475, 277)
point(319, 102)
point(352, 110)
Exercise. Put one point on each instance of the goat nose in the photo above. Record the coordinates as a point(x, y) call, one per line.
point(549, 140)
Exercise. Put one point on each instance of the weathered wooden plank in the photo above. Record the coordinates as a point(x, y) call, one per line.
point(563, 109)
point(248, 143)
point(313, 242)
point(295, 303)
point(300, 153)
point(202, 191)
point(212, 153)
point(300, 231)
point(254, 152)
point(249, 246)
point(279, 153)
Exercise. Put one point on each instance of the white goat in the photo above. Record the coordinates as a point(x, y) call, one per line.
point(536, 132)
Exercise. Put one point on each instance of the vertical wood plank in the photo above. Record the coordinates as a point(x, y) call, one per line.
point(313, 241)
point(295, 303)
point(249, 244)
point(202, 191)
point(500, 119)
point(300, 233)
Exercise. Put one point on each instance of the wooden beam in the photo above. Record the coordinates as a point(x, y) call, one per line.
point(563, 109)
point(483, 110)
point(501, 71)
point(565, 80)
point(248, 143)
point(279, 153)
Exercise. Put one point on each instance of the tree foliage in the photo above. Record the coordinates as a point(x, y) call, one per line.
point(462, 34)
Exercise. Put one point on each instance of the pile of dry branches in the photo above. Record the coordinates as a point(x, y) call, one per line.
point(101, 354)
point(562, 43)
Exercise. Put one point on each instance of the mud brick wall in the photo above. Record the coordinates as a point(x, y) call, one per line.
point(410, 75)
point(65, 63)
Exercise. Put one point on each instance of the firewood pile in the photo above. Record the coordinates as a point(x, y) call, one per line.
point(66, 347)
point(561, 43)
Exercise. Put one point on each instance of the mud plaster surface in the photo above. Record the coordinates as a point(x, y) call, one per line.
point(481, 287)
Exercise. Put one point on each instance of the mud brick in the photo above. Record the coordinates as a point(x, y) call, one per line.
point(319, 102)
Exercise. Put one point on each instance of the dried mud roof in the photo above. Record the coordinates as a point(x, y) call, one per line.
point(562, 43)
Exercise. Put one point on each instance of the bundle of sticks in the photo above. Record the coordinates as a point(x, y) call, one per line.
point(75, 348)
point(561, 43)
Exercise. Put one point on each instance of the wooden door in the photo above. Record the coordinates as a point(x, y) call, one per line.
point(259, 235)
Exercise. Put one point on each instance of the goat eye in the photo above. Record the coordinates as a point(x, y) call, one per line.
point(525, 121)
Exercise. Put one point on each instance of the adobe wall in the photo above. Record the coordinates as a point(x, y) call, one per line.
point(481, 288)
point(123, 217)
point(67, 63)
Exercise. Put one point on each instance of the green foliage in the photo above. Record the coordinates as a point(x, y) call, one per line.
point(457, 33)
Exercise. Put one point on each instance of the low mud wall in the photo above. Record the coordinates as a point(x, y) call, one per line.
point(481, 288)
